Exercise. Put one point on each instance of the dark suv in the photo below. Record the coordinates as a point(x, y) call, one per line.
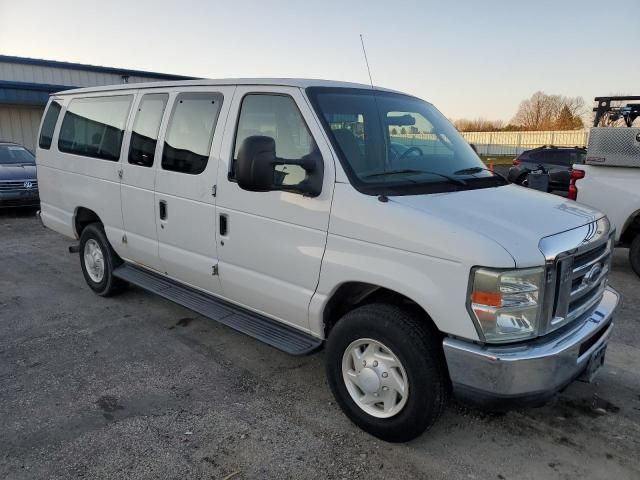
point(18, 180)
point(556, 161)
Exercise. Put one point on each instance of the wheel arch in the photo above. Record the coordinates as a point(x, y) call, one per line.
point(353, 294)
point(82, 217)
point(630, 229)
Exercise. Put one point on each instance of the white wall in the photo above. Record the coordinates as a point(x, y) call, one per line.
point(20, 124)
point(509, 143)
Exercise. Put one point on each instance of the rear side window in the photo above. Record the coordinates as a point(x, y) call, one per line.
point(187, 143)
point(144, 135)
point(94, 127)
point(559, 157)
point(49, 125)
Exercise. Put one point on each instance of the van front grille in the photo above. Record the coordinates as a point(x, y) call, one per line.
point(581, 282)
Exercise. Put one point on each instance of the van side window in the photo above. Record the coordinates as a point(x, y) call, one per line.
point(187, 143)
point(49, 125)
point(94, 126)
point(278, 117)
point(144, 135)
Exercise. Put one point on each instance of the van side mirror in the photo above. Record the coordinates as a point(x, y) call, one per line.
point(255, 168)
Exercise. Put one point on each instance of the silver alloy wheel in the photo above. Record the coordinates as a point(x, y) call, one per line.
point(375, 378)
point(94, 260)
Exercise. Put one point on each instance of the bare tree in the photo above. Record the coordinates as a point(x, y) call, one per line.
point(543, 111)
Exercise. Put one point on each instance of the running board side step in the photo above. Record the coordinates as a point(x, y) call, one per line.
point(271, 332)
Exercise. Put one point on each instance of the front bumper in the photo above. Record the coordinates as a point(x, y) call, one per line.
point(27, 198)
point(532, 372)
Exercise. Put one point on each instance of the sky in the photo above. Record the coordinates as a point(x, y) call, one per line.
point(470, 58)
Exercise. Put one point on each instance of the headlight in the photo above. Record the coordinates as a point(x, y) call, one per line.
point(506, 304)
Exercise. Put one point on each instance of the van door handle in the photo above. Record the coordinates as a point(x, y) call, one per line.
point(163, 210)
point(224, 225)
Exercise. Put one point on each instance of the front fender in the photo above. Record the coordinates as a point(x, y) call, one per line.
point(439, 286)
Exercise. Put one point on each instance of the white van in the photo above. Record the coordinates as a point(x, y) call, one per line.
point(311, 214)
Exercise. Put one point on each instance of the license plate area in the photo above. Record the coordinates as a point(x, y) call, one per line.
point(595, 363)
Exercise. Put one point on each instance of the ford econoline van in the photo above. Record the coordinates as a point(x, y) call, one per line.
point(313, 214)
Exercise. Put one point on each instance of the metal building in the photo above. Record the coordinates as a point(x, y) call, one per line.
point(25, 85)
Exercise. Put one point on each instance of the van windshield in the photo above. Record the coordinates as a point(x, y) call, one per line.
point(397, 144)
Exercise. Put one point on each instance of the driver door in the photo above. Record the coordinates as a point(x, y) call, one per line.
point(271, 243)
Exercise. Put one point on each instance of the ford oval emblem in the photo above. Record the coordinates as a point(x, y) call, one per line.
point(28, 185)
point(593, 274)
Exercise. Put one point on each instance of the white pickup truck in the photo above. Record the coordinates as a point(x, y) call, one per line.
point(615, 191)
point(610, 178)
point(288, 210)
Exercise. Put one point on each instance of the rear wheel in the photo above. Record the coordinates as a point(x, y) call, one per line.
point(98, 260)
point(634, 254)
point(387, 371)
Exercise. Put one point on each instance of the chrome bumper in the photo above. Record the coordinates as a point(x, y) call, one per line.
point(532, 371)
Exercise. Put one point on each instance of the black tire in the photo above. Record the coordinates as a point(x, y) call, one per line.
point(634, 254)
point(109, 285)
point(419, 350)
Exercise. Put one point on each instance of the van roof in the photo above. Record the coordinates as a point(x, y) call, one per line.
point(287, 82)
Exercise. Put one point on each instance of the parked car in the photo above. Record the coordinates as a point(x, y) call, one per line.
point(18, 180)
point(276, 208)
point(556, 161)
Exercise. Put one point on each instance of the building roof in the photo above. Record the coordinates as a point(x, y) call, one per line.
point(283, 82)
point(26, 93)
point(92, 68)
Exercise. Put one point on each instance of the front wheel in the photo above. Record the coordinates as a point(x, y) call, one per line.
point(387, 372)
point(634, 254)
point(98, 260)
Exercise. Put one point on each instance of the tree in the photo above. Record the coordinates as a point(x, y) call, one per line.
point(478, 125)
point(543, 111)
point(403, 131)
point(567, 121)
point(394, 131)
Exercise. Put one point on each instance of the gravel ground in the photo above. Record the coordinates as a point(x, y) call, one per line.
point(137, 387)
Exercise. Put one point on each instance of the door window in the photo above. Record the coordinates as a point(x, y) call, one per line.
point(187, 143)
point(144, 135)
point(278, 117)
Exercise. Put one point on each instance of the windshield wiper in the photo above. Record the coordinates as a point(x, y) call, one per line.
point(472, 170)
point(457, 181)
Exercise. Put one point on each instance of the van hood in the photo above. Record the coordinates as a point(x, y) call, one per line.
point(515, 217)
point(18, 171)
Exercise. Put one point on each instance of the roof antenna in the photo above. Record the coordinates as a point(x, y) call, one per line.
point(382, 197)
point(364, 51)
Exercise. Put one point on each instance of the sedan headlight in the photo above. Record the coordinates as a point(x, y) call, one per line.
point(506, 304)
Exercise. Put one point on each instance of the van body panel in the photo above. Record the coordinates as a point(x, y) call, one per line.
point(187, 243)
point(72, 181)
point(137, 185)
point(369, 242)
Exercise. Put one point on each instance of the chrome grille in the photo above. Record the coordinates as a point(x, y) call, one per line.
point(577, 277)
point(18, 186)
point(588, 280)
